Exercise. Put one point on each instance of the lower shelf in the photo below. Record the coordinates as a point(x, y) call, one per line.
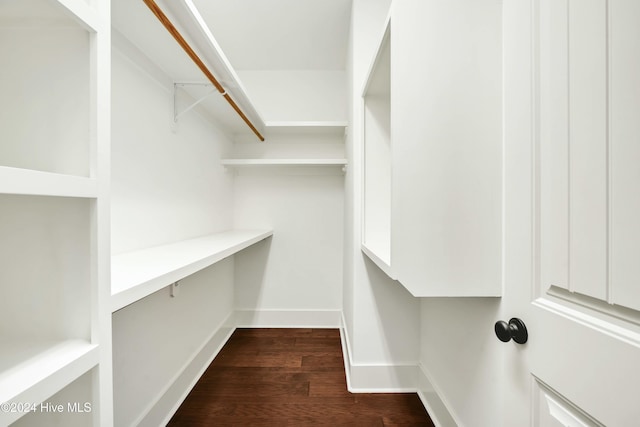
point(32, 371)
point(134, 275)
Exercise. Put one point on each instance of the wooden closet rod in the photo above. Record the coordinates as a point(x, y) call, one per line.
point(196, 59)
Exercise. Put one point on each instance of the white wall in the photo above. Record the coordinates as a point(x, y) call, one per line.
point(294, 278)
point(167, 185)
point(300, 267)
point(462, 358)
point(167, 182)
point(382, 320)
point(155, 338)
point(297, 95)
point(45, 74)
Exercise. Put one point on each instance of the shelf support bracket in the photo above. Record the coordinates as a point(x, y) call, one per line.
point(177, 86)
point(174, 288)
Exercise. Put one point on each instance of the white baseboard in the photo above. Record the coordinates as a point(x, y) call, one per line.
point(288, 318)
point(371, 378)
point(160, 411)
point(430, 397)
point(383, 379)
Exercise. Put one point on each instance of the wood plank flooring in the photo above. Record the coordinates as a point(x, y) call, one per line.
point(289, 377)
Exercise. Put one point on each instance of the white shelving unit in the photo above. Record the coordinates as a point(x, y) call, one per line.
point(376, 98)
point(139, 26)
point(130, 17)
point(137, 274)
point(54, 319)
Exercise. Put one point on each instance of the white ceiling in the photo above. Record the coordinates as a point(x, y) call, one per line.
point(280, 34)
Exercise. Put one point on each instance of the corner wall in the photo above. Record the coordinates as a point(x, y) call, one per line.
point(381, 319)
point(295, 277)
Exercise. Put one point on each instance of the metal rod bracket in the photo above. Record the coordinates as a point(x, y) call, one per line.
point(177, 86)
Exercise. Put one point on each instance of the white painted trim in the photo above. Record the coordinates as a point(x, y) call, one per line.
point(288, 318)
point(375, 378)
point(167, 402)
point(431, 396)
point(346, 349)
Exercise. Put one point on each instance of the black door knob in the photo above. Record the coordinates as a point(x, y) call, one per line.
point(515, 330)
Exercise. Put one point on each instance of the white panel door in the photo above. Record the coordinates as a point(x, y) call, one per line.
point(572, 211)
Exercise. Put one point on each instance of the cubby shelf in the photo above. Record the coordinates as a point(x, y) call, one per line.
point(32, 371)
point(37, 183)
point(134, 275)
point(54, 169)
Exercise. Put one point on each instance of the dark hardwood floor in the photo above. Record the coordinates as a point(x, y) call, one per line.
point(289, 377)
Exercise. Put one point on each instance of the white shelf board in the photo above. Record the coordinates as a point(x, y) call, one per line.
point(379, 259)
point(37, 183)
point(283, 162)
point(134, 275)
point(276, 128)
point(32, 371)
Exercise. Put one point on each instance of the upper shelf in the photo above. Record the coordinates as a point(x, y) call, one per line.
point(134, 275)
point(139, 26)
point(337, 128)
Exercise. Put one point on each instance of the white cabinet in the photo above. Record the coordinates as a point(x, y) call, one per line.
point(54, 254)
point(433, 176)
point(447, 147)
